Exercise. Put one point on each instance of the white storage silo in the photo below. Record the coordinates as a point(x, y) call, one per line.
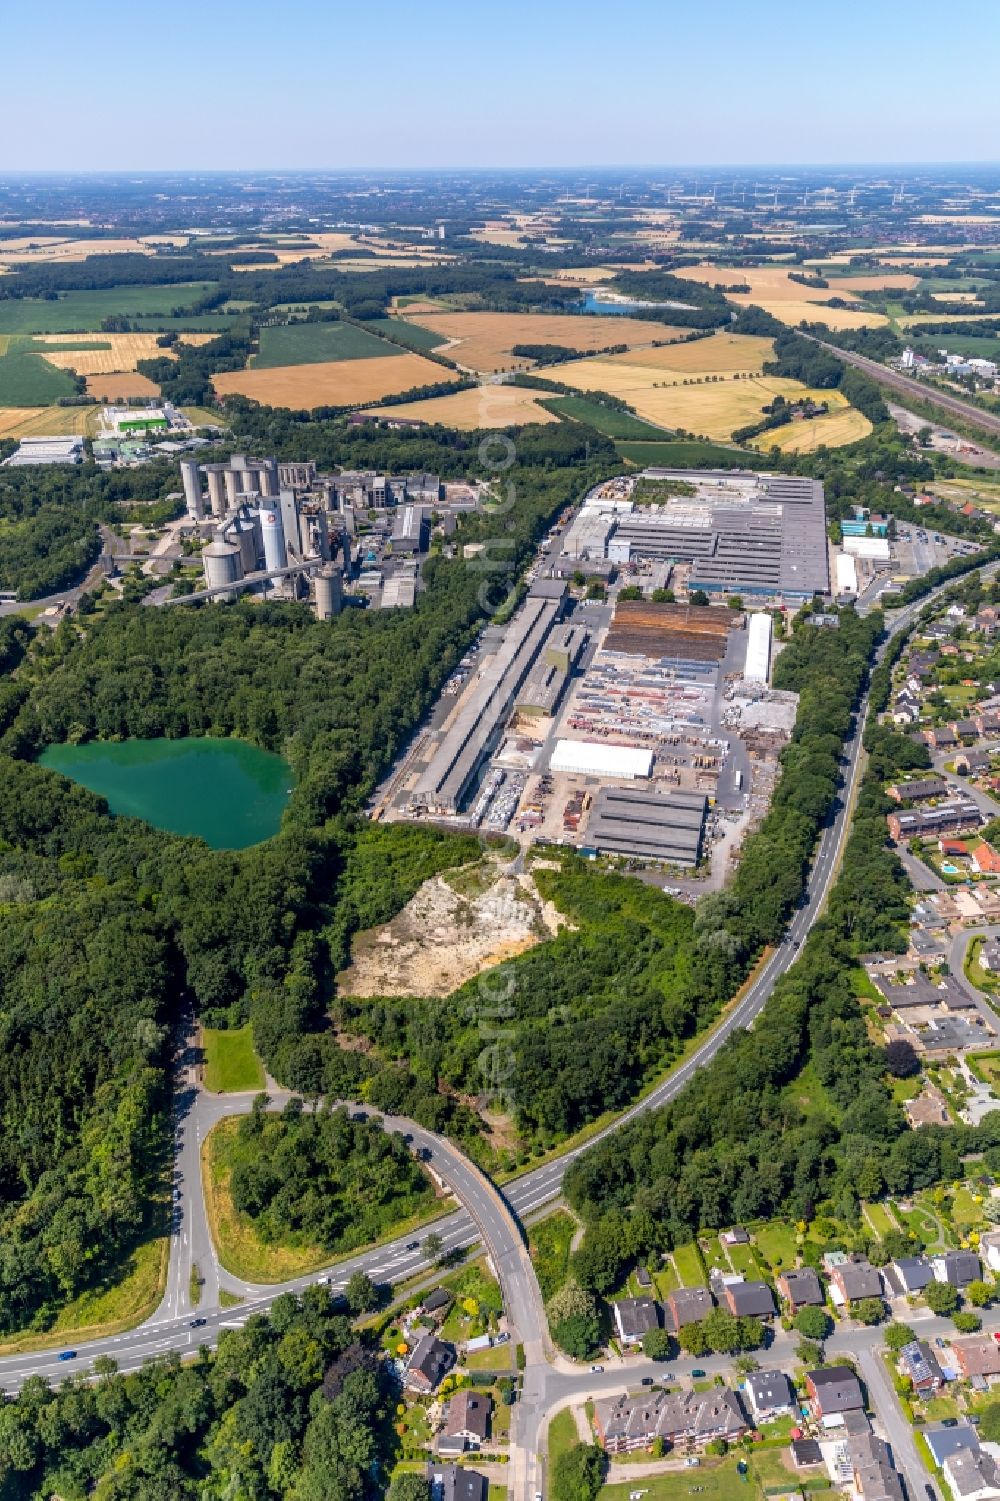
point(191, 480)
point(329, 592)
point(273, 534)
point(222, 563)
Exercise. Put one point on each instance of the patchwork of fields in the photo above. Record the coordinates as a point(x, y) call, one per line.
point(317, 344)
point(83, 312)
point(772, 289)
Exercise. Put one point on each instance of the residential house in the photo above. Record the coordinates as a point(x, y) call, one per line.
point(908, 1274)
point(687, 1305)
point(973, 1475)
point(918, 1361)
point(954, 849)
point(989, 954)
point(805, 1453)
point(633, 1317)
point(834, 1390)
point(466, 1420)
point(854, 1280)
point(965, 729)
point(626, 1423)
point(943, 1442)
point(429, 1364)
point(769, 1394)
point(988, 621)
point(917, 789)
point(736, 1236)
point(989, 1246)
point(749, 1299)
point(985, 859)
point(875, 1479)
point(988, 723)
point(456, 1483)
point(801, 1288)
point(437, 1302)
point(941, 737)
point(972, 763)
point(957, 815)
point(957, 1267)
point(977, 1356)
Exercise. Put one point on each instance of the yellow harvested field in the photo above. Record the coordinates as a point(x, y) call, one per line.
point(914, 320)
point(335, 383)
point(125, 352)
point(486, 406)
point(483, 341)
point(834, 430)
point(117, 386)
point(50, 422)
point(713, 407)
point(771, 289)
point(902, 279)
point(719, 354)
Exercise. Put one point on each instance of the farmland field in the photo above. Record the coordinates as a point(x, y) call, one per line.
point(420, 339)
point(34, 422)
point(834, 430)
point(117, 386)
point(29, 380)
point(719, 354)
point(317, 344)
point(607, 420)
point(81, 312)
point(713, 408)
point(333, 383)
point(772, 289)
point(483, 341)
point(112, 354)
point(690, 455)
point(481, 406)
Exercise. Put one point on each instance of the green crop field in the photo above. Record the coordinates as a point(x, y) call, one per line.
point(318, 343)
point(607, 420)
point(26, 380)
point(974, 346)
point(410, 334)
point(690, 455)
point(82, 312)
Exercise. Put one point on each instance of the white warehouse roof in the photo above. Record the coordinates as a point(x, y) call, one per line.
point(876, 548)
point(596, 759)
point(758, 648)
point(847, 573)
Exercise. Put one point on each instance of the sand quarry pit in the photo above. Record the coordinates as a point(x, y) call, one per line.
point(445, 936)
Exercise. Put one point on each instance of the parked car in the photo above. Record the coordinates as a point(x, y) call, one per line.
point(597, 1368)
point(698, 1372)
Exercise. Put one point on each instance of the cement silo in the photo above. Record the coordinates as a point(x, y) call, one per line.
point(191, 480)
point(273, 533)
point(329, 592)
point(246, 534)
point(216, 488)
point(267, 477)
point(222, 564)
point(234, 488)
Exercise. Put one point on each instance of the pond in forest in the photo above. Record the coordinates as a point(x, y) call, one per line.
point(226, 792)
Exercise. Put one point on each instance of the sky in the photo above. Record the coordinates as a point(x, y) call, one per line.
point(522, 83)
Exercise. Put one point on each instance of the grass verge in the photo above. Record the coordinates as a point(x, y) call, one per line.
point(230, 1061)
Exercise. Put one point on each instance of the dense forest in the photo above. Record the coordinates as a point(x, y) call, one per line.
point(294, 1405)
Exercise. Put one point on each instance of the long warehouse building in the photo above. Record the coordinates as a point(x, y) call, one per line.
point(480, 720)
point(648, 824)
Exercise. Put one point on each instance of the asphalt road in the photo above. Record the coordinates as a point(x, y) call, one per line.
point(987, 422)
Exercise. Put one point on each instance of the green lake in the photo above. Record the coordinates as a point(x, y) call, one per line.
point(226, 792)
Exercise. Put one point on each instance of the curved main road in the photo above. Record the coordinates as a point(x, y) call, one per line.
point(486, 1214)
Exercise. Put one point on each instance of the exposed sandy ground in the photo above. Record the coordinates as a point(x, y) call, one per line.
point(441, 938)
point(334, 383)
point(486, 406)
point(483, 341)
point(115, 387)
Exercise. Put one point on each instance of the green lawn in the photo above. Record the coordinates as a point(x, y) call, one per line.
point(715, 1256)
point(231, 1064)
point(880, 1219)
point(775, 1241)
point(548, 1244)
point(966, 1214)
point(861, 986)
point(666, 1281)
point(746, 1261)
point(689, 1265)
point(607, 420)
point(315, 343)
point(76, 312)
point(562, 1434)
point(26, 380)
point(413, 335)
